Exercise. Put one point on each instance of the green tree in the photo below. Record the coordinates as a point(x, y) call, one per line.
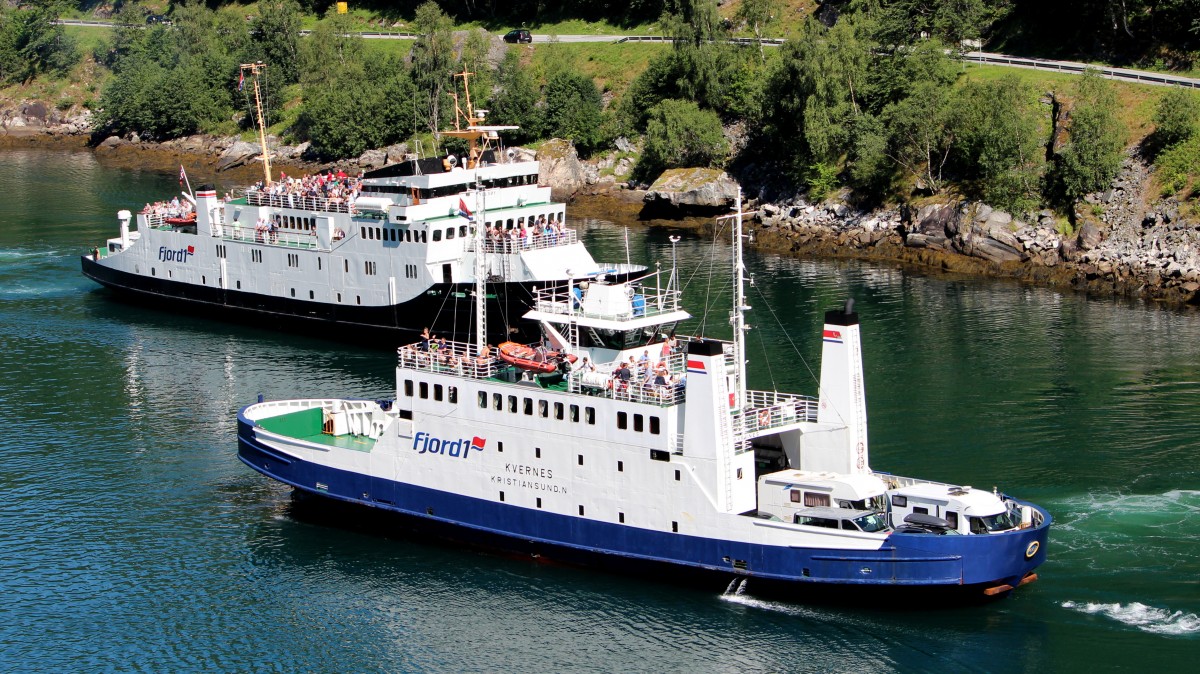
point(1175, 117)
point(276, 39)
point(31, 45)
point(516, 100)
point(574, 110)
point(922, 132)
point(1093, 154)
point(681, 135)
point(758, 14)
point(999, 141)
point(814, 94)
point(433, 63)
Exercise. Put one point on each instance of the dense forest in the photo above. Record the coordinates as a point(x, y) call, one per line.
point(865, 95)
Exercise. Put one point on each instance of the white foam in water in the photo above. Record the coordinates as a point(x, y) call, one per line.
point(1143, 617)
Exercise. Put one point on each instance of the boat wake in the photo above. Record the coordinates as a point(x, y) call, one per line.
point(1133, 529)
point(736, 594)
point(1143, 617)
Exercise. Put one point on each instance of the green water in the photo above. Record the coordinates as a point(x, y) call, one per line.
point(132, 539)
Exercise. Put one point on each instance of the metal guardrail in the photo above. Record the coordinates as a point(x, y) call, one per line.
point(1124, 74)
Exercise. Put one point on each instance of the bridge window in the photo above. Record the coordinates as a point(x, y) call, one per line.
point(638, 423)
point(497, 402)
point(575, 413)
point(528, 404)
point(558, 411)
point(483, 399)
point(543, 409)
point(512, 404)
point(437, 392)
point(408, 387)
point(423, 387)
point(437, 235)
point(589, 413)
point(622, 420)
point(655, 427)
point(449, 234)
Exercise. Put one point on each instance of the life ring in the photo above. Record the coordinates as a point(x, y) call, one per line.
point(764, 417)
point(1032, 549)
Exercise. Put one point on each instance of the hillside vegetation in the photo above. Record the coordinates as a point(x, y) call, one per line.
point(865, 95)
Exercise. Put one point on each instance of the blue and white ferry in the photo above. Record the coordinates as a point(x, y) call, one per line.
point(666, 463)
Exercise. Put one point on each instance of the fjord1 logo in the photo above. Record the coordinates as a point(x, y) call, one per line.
point(175, 254)
point(425, 443)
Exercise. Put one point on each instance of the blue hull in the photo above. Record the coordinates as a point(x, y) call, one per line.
point(962, 563)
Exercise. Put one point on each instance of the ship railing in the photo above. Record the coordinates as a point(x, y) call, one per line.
point(236, 232)
point(509, 246)
point(158, 221)
point(644, 301)
point(655, 387)
point(458, 358)
point(765, 410)
point(259, 198)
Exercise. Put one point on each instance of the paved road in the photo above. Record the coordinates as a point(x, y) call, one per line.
point(1123, 74)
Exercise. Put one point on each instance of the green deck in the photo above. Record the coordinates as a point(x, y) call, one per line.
point(306, 425)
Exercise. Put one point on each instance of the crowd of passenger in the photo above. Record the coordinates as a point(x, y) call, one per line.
point(171, 209)
point(451, 356)
point(527, 234)
point(336, 188)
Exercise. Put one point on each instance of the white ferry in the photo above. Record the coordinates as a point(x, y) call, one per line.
point(398, 258)
point(675, 467)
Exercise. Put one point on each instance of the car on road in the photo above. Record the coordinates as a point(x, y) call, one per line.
point(157, 19)
point(519, 36)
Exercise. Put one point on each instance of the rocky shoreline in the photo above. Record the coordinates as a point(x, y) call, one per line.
point(1126, 244)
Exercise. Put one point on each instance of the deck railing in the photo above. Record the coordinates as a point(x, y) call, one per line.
point(457, 358)
point(765, 410)
point(303, 241)
point(508, 245)
point(259, 198)
point(646, 385)
point(648, 301)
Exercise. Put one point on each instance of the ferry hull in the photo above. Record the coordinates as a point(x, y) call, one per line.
point(445, 308)
point(958, 566)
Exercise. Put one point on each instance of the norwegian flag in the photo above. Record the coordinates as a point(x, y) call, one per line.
point(241, 80)
point(464, 211)
point(182, 176)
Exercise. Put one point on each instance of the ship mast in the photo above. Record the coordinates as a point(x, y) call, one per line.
point(737, 317)
point(480, 271)
point(255, 69)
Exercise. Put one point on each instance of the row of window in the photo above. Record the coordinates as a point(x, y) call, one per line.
point(403, 235)
point(448, 393)
point(449, 190)
point(294, 222)
point(525, 405)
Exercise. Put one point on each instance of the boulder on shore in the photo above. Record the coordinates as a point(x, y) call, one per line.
point(238, 154)
point(560, 167)
point(690, 191)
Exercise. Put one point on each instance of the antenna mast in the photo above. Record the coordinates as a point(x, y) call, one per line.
point(255, 69)
point(737, 317)
point(480, 270)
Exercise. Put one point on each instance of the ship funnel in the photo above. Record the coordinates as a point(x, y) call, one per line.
point(843, 404)
point(208, 211)
point(123, 217)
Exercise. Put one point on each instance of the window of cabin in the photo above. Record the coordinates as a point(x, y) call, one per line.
point(622, 420)
point(813, 499)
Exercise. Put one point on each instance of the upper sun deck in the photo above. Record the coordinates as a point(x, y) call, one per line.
point(608, 306)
